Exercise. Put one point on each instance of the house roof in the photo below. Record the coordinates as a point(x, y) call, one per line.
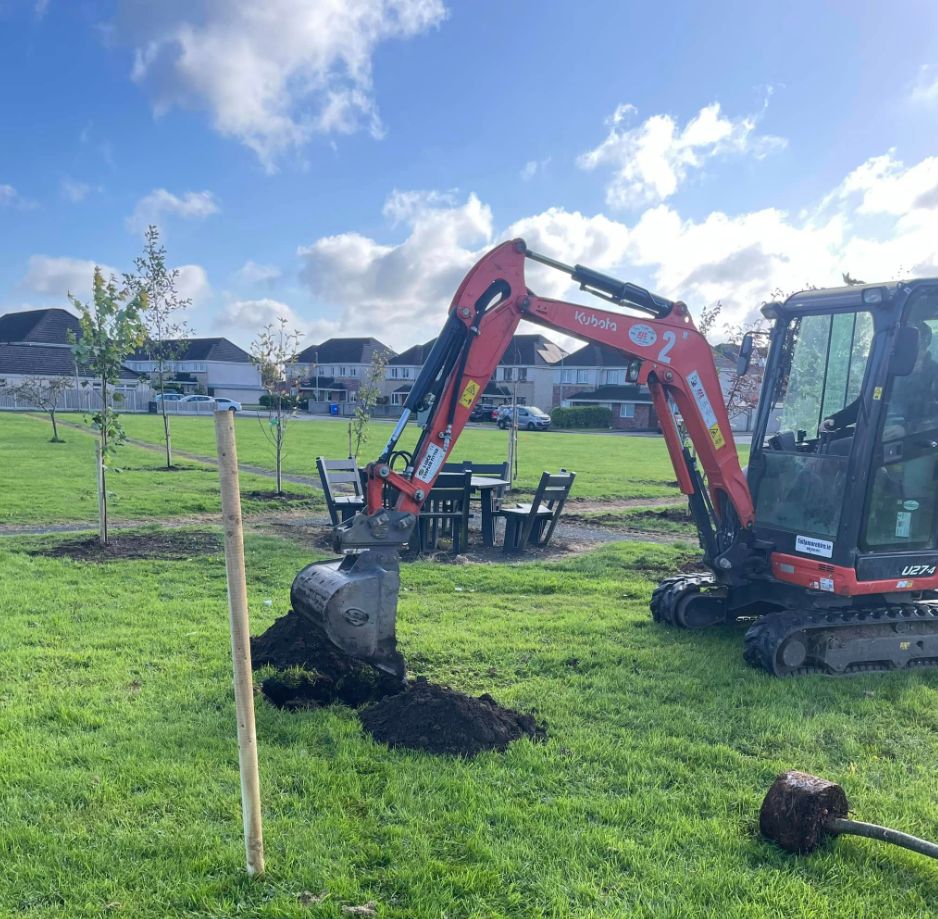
point(528, 350)
point(45, 361)
point(201, 349)
point(343, 351)
point(597, 355)
point(627, 392)
point(413, 356)
point(49, 326)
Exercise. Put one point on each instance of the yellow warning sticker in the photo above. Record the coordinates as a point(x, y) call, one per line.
point(469, 393)
point(716, 435)
point(878, 393)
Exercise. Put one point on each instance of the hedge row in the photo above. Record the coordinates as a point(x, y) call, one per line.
point(582, 416)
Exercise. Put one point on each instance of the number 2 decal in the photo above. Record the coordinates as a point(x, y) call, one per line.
point(669, 339)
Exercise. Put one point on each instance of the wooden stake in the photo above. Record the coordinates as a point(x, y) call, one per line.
point(240, 641)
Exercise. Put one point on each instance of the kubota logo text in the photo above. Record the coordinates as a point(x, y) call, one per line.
point(594, 321)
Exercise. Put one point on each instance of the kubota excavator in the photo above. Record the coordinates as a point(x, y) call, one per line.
point(826, 543)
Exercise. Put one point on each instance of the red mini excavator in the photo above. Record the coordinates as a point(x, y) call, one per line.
point(827, 541)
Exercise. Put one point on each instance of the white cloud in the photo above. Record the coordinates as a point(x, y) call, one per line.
point(57, 276)
point(925, 89)
point(651, 161)
point(252, 272)
point(10, 197)
point(75, 191)
point(271, 74)
point(399, 293)
point(532, 167)
point(40, 8)
point(244, 319)
point(880, 223)
point(193, 284)
point(192, 205)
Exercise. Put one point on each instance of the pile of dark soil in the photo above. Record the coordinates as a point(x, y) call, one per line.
point(166, 544)
point(419, 715)
point(312, 671)
point(440, 720)
point(796, 807)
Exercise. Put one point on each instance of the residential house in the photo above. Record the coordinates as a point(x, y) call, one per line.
point(597, 374)
point(334, 371)
point(525, 372)
point(34, 344)
point(214, 366)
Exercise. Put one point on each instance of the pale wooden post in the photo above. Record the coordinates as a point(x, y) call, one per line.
point(240, 641)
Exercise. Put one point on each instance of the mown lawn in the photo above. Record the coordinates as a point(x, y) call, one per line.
point(46, 483)
point(118, 764)
point(606, 466)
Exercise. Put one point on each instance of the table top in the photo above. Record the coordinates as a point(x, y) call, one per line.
point(485, 481)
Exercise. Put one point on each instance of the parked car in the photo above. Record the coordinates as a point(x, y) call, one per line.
point(231, 404)
point(211, 402)
point(482, 412)
point(195, 400)
point(529, 417)
point(169, 397)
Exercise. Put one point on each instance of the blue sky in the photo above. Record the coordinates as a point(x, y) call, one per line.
point(343, 162)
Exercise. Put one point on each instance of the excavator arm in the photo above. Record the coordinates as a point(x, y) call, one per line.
point(355, 597)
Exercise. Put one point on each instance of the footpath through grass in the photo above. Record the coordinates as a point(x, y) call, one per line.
point(607, 466)
point(46, 483)
point(118, 762)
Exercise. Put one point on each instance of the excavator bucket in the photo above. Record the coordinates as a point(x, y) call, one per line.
point(353, 601)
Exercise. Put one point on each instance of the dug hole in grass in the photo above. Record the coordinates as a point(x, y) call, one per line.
point(418, 715)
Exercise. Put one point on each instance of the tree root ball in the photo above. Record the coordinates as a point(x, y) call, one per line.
point(795, 809)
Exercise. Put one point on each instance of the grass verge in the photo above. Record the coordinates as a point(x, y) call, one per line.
point(118, 762)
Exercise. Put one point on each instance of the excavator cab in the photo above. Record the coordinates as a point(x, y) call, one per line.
point(844, 461)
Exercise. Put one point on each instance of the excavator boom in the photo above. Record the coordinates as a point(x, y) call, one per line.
point(354, 599)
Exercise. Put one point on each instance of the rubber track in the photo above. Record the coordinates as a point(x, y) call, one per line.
point(765, 637)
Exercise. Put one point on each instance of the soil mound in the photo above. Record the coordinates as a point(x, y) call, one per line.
point(313, 671)
point(440, 720)
point(174, 545)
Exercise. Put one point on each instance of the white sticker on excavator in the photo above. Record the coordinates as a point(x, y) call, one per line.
point(701, 398)
point(431, 462)
point(814, 546)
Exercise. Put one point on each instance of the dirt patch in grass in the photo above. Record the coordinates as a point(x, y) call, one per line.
point(285, 498)
point(419, 715)
point(169, 544)
point(440, 720)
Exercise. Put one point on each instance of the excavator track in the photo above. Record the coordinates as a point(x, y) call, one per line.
point(692, 601)
point(842, 642)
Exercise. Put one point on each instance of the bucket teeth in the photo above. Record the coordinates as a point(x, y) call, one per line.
point(354, 601)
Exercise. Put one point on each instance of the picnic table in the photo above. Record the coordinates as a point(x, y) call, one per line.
point(487, 486)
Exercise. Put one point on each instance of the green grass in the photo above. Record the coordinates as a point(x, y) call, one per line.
point(118, 764)
point(673, 520)
point(607, 466)
point(46, 483)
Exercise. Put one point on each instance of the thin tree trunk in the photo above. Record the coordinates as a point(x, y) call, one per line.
point(166, 435)
point(55, 430)
point(102, 496)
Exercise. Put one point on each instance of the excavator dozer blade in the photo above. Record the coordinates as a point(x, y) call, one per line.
point(353, 600)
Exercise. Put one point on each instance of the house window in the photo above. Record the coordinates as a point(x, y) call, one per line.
point(507, 374)
point(394, 374)
point(406, 373)
point(582, 376)
point(627, 410)
point(343, 372)
point(566, 376)
point(522, 374)
point(613, 377)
